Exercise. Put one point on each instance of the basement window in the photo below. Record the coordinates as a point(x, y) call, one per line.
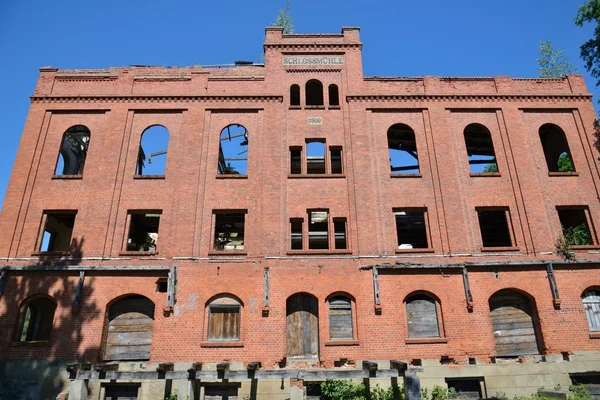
point(574, 224)
point(315, 157)
point(480, 149)
point(58, 229)
point(229, 231)
point(493, 224)
point(121, 391)
point(467, 388)
point(402, 149)
point(296, 226)
point(73, 151)
point(154, 144)
point(556, 149)
point(233, 151)
point(221, 391)
point(143, 231)
point(411, 228)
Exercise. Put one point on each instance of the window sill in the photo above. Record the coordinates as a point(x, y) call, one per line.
point(435, 340)
point(138, 253)
point(509, 248)
point(563, 173)
point(51, 253)
point(342, 342)
point(335, 107)
point(318, 252)
point(316, 176)
point(311, 107)
point(148, 177)
point(594, 335)
point(231, 176)
point(227, 253)
point(586, 247)
point(485, 174)
point(295, 107)
point(406, 176)
point(216, 344)
point(67, 176)
point(32, 343)
point(427, 250)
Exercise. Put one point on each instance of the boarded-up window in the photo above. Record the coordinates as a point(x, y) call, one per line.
point(302, 326)
point(512, 321)
point(422, 317)
point(130, 329)
point(340, 318)
point(591, 304)
point(224, 319)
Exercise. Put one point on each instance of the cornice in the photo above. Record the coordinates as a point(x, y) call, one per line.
point(469, 97)
point(154, 99)
point(299, 46)
point(304, 70)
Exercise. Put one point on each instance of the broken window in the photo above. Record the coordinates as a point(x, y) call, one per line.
point(314, 93)
point(37, 317)
point(467, 388)
point(480, 149)
point(58, 229)
point(591, 305)
point(493, 224)
point(233, 151)
point(154, 144)
point(334, 97)
point(130, 327)
point(296, 237)
point(73, 151)
point(574, 224)
point(143, 231)
point(224, 319)
point(336, 159)
point(295, 160)
point(402, 149)
point(422, 316)
point(556, 149)
point(318, 230)
point(340, 318)
point(294, 95)
point(229, 231)
point(315, 157)
point(411, 229)
point(339, 230)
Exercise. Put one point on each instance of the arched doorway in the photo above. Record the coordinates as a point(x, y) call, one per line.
point(302, 322)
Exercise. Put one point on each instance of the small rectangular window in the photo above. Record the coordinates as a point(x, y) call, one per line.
point(229, 231)
point(58, 230)
point(574, 224)
point(467, 388)
point(295, 160)
point(162, 285)
point(315, 157)
point(221, 391)
point(493, 224)
point(120, 391)
point(143, 231)
point(411, 229)
point(339, 228)
point(318, 230)
point(336, 160)
point(296, 226)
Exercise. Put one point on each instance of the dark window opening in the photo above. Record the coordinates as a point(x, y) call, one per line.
point(314, 93)
point(295, 160)
point(162, 285)
point(58, 231)
point(318, 230)
point(221, 391)
point(36, 320)
point(334, 97)
point(121, 391)
point(296, 226)
point(590, 381)
point(591, 305)
point(339, 229)
point(313, 390)
point(340, 318)
point(422, 317)
point(556, 149)
point(224, 319)
point(233, 151)
point(143, 232)
point(294, 95)
point(574, 226)
point(480, 149)
point(336, 160)
point(402, 149)
point(493, 225)
point(73, 151)
point(315, 157)
point(229, 231)
point(468, 388)
point(153, 148)
point(411, 229)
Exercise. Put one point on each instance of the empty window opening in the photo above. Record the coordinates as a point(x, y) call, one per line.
point(336, 159)
point(162, 285)
point(339, 229)
point(224, 319)
point(294, 95)
point(411, 229)
point(58, 230)
point(340, 318)
point(119, 391)
point(422, 317)
point(318, 230)
point(590, 381)
point(575, 229)
point(467, 388)
point(313, 390)
point(591, 305)
point(334, 96)
point(556, 149)
point(494, 228)
point(296, 226)
point(233, 151)
point(229, 231)
point(153, 149)
point(73, 151)
point(221, 391)
point(480, 149)
point(37, 317)
point(314, 93)
point(143, 232)
point(315, 157)
point(402, 149)
point(295, 160)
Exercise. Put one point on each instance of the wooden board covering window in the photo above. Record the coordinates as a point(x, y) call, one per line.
point(340, 318)
point(224, 322)
point(130, 329)
point(422, 318)
point(591, 304)
point(512, 322)
point(302, 326)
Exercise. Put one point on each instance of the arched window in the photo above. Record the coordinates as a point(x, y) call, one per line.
point(37, 316)
point(73, 151)
point(154, 144)
point(480, 149)
point(130, 326)
point(340, 318)
point(334, 96)
point(224, 315)
point(233, 151)
point(314, 93)
point(556, 149)
point(294, 95)
point(402, 148)
point(591, 305)
point(302, 326)
point(422, 316)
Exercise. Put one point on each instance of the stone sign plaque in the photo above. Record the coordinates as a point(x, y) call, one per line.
point(314, 61)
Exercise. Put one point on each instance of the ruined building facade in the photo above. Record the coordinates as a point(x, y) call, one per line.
point(306, 219)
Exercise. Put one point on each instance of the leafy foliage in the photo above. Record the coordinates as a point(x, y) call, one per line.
point(340, 389)
point(230, 169)
point(553, 64)
point(284, 19)
point(590, 50)
point(577, 235)
point(491, 168)
point(565, 164)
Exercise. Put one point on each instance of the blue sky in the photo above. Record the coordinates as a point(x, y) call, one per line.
point(447, 38)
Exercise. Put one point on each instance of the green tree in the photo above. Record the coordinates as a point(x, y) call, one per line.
point(284, 19)
point(553, 64)
point(492, 167)
point(564, 163)
point(590, 50)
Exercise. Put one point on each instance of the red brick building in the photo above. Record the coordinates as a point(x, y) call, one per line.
point(307, 219)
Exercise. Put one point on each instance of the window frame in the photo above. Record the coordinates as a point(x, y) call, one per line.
point(568, 151)
point(328, 159)
point(509, 226)
point(478, 126)
point(43, 229)
point(140, 150)
point(21, 319)
point(213, 232)
point(221, 302)
point(352, 309)
point(81, 169)
point(128, 222)
point(441, 337)
point(588, 221)
point(331, 242)
point(418, 174)
point(429, 248)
